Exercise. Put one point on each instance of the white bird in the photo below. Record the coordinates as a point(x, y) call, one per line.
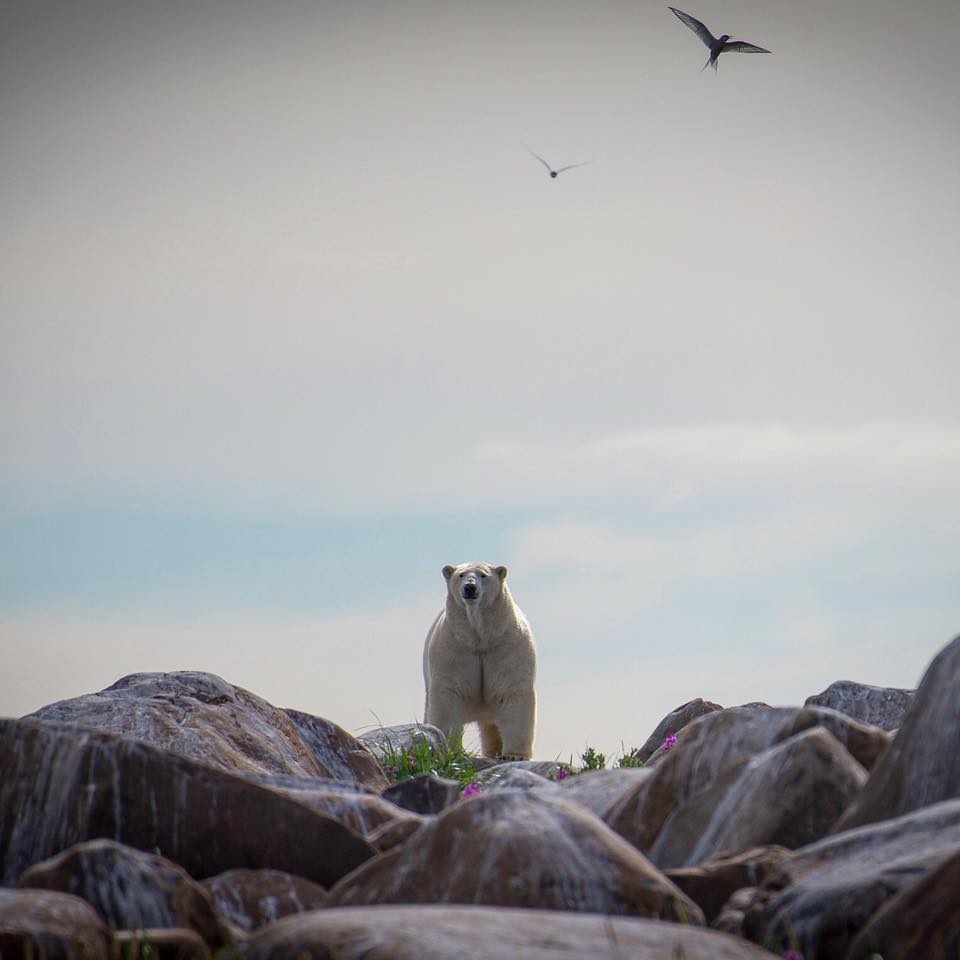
point(717, 45)
point(555, 173)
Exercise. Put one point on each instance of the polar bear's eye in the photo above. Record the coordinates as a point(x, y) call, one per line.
point(462, 575)
point(483, 576)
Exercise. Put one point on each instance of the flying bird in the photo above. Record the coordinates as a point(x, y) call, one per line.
point(717, 45)
point(555, 173)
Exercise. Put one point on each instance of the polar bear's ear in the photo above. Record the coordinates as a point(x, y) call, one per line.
point(447, 571)
point(501, 572)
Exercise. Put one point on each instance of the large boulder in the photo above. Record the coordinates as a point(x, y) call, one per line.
point(387, 743)
point(130, 889)
point(52, 925)
point(253, 898)
point(484, 933)
point(517, 848)
point(922, 765)
point(789, 795)
point(922, 920)
point(599, 790)
point(884, 707)
point(713, 745)
point(201, 716)
point(423, 793)
point(673, 723)
point(824, 894)
point(64, 784)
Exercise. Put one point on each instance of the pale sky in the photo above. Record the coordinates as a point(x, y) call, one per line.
point(290, 318)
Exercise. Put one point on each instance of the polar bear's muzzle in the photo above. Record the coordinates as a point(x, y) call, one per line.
point(470, 590)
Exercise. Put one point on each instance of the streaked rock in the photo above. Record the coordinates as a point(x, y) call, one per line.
point(252, 898)
point(423, 794)
point(51, 925)
point(130, 889)
point(517, 848)
point(673, 723)
point(884, 707)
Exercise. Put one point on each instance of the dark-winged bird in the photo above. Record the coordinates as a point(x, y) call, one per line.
point(717, 45)
point(554, 173)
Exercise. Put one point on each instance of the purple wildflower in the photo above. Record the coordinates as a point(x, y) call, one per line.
point(562, 773)
point(471, 790)
point(669, 744)
point(792, 955)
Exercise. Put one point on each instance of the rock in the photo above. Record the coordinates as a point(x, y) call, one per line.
point(922, 765)
point(197, 715)
point(789, 795)
point(599, 790)
point(712, 883)
point(252, 898)
point(922, 920)
point(673, 723)
point(354, 807)
point(52, 926)
point(130, 889)
point(523, 848)
point(170, 943)
point(517, 779)
point(64, 784)
point(337, 752)
point(423, 794)
point(394, 834)
point(718, 741)
point(386, 742)
point(547, 769)
point(824, 894)
point(884, 707)
point(484, 933)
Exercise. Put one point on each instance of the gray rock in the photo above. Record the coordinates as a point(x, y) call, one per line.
point(252, 898)
point(423, 794)
point(130, 889)
point(673, 723)
point(524, 848)
point(51, 925)
point(384, 742)
point(515, 779)
point(546, 769)
point(434, 932)
point(884, 707)
point(196, 715)
point(789, 795)
point(824, 894)
point(64, 784)
point(922, 765)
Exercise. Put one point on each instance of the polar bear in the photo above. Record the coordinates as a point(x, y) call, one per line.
point(480, 663)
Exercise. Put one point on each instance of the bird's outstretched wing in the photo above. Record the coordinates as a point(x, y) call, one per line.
point(696, 26)
point(741, 46)
point(570, 166)
point(544, 162)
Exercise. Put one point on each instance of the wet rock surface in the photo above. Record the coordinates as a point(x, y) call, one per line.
point(517, 848)
point(484, 933)
point(252, 898)
point(130, 889)
point(64, 784)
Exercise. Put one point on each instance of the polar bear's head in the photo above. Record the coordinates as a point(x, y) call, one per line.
point(474, 583)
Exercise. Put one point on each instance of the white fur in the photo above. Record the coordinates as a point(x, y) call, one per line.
point(480, 663)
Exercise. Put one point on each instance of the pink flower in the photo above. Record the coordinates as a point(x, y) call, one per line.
point(562, 773)
point(669, 744)
point(792, 955)
point(471, 790)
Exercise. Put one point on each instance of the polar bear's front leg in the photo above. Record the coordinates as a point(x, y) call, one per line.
point(517, 719)
point(444, 710)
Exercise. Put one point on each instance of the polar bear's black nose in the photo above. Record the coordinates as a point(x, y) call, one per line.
point(469, 591)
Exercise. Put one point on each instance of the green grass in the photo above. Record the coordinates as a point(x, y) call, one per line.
point(452, 762)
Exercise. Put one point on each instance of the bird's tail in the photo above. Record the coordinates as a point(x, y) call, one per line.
point(710, 63)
